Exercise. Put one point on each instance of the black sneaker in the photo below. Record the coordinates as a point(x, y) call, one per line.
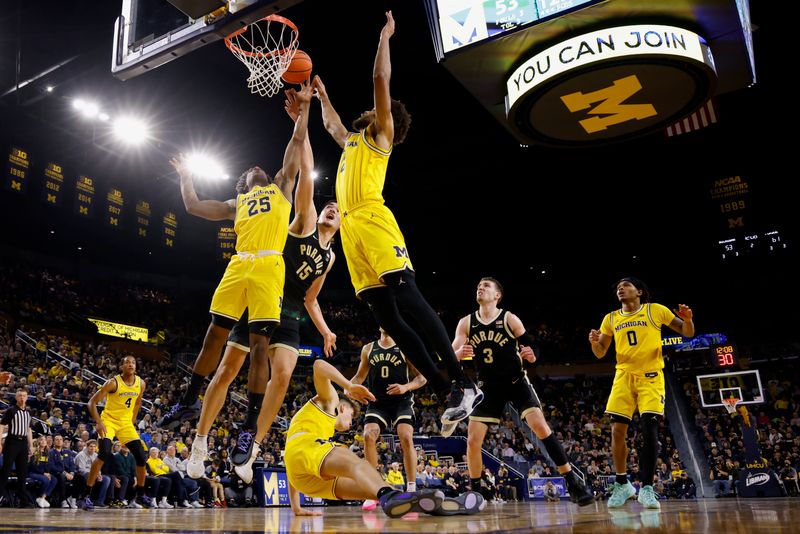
point(178, 414)
point(468, 503)
point(244, 448)
point(463, 398)
point(399, 503)
point(578, 492)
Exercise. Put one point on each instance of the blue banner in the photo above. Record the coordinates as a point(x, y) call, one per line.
point(536, 487)
point(272, 488)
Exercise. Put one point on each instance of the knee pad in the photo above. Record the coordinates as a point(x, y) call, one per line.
point(263, 328)
point(137, 451)
point(104, 451)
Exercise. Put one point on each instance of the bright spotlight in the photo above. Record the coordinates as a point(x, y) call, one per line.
point(49, 88)
point(314, 175)
point(90, 110)
point(103, 116)
point(78, 104)
point(130, 130)
point(204, 166)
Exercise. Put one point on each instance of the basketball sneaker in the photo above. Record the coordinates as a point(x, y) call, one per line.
point(87, 504)
point(179, 413)
point(244, 448)
point(245, 471)
point(463, 398)
point(468, 503)
point(369, 505)
point(195, 467)
point(448, 429)
point(576, 485)
point(398, 503)
point(620, 493)
point(648, 497)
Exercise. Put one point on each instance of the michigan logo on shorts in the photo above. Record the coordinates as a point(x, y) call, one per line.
point(400, 252)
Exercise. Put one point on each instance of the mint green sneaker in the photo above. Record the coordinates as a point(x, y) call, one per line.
point(621, 493)
point(648, 498)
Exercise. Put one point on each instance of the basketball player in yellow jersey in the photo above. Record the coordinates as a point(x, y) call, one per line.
point(376, 252)
point(123, 395)
point(318, 468)
point(639, 380)
point(254, 277)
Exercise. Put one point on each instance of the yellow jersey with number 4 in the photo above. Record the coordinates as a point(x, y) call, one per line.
point(262, 219)
point(120, 404)
point(637, 337)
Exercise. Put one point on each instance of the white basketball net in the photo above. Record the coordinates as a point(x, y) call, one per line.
point(730, 404)
point(266, 47)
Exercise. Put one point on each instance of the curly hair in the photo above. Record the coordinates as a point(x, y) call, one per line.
point(241, 183)
point(400, 116)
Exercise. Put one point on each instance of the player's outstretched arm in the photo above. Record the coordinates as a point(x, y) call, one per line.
point(363, 365)
point(461, 344)
point(415, 383)
point(325, 375)
point(294, 500)
point(109, 387)
point(285, 178)
point(315, 312)
point(138, 405)
point(683, 323)
point(600, 342)
point(381, 76)
point(213, 210)
point(330, 119)
point(305, 214)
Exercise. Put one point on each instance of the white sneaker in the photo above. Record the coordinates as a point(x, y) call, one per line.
point(196, 504)
point(462, 400)
point(124, 502)
point(185, 504)
point(41, 502)
point(245, 471)
point(73, 503)
point(155, 504)
point(164, 504)
point(195, 467)
point(64, 504)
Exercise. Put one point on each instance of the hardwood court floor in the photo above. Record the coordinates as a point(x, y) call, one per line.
point(714, 516)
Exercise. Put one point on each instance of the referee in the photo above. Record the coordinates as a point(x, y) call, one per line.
point(18, 445)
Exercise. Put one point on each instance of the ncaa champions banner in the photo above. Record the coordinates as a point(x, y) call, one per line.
point(84, 196)
point(170, 229)
point(114, 205)
point(17, 170)
point(143, 213)
point(53, 184)
point(226, 243)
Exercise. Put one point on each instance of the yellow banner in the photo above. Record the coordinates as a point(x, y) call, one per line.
point(125, 331)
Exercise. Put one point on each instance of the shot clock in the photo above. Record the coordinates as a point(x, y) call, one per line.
point(724, 356)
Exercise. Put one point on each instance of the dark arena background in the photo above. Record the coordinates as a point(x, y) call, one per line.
point(555, 145)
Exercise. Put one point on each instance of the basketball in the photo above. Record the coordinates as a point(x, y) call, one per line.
point(299, 69)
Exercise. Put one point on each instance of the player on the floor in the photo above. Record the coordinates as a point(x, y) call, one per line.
point(386, 371)
point(374, 246)
point(309, 257)
point(124, 398)
point(498, 341)
point(318, 468)
point(638, 381)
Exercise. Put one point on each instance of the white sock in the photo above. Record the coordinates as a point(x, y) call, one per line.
point(411, 486)
point(201, 441)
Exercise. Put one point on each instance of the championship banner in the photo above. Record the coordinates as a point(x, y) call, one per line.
point(143, 213)
point(114, 205)
point(125, 331)
point(536, 487)
point(731, 197)
point(170, 229)
point(226, 243)
point(272, 488)
point(84, 196)
point(53, 184)
point(17, 171)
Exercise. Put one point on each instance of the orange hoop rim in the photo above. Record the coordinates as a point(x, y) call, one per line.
point(277, 18)
point(730, 404)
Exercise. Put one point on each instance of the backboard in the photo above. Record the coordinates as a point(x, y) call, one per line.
point(743, 385)
point(150, 33)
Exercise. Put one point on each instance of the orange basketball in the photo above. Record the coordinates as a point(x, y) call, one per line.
point(299, 69)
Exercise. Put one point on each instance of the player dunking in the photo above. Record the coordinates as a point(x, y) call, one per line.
point(255, 275)
point(386, 371)
point(373, 244)
point(309, 258)
point(638, 381)
point(498, 341)
point(318, 468)
point(124, 393)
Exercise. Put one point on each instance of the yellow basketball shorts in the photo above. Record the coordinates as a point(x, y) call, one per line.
point(304, 456)
point(124, 431)
point(255, 283)
point(373, 245)
point(630, 391)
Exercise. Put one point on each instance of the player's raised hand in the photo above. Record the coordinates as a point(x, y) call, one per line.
point(684, 312)
point(179, 162)
point(290, 105)
point(388, 28)
point(396, 389)
point(465, 351)
point(303, 96)
point(329, 343)
point(360, 393)
point(319, 88)
point(527, 354)
point(594, 336)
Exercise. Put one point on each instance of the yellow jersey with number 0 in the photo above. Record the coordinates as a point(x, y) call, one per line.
point(262, 219)
point(637, 336)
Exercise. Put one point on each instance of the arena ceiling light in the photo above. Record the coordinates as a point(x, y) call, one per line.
point(205, 166)
point(130, 130)
point(314, 175)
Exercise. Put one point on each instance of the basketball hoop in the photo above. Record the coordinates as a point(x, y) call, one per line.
point(730, 404)
point(266, 47)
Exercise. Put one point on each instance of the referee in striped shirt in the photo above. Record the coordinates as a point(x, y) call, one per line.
point(18, 444)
